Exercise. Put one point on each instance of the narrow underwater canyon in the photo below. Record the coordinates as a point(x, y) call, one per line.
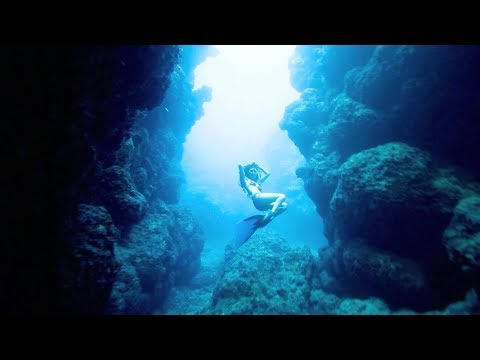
point(92, 152)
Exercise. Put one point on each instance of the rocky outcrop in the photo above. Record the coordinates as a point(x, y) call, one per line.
point(327, 132)
point(388, 139)
point(90, 267)
point(161, 241)
point(70, 116)
point(381, 189)
point(264, 276)
point(367, 271)
point(427, 94)
point(68, 108)
point(126, 204)
point(162, 250)
point(462, 236)
point(325, 66)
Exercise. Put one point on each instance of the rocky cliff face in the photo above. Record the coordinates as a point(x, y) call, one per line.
point(388, 133)
point(88, 157)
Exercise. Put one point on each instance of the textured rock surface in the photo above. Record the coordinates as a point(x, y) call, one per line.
point(161, 250)
point(388, 136)
point(369, 271)
point(264, 276)
point(371, 306)
point(429, 94)
point(381, 189)
point(193, 298)
point(462, 237)
point(72, 118)
point(69, 108)
point(90, 268)
point(321, 66)
point(126, 204)
point(162, 240)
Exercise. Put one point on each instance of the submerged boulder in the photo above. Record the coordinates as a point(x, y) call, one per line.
point(385, 195)
point(462, 237)
point(161, 251)
point(366, 270)
point(264, 276)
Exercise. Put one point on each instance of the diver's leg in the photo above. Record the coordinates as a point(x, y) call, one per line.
point(270, 216)
point(266, 201)
point(269, 202)
point(281, 209)
point(278, 202)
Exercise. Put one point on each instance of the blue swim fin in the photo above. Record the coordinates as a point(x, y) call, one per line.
point(245, 229)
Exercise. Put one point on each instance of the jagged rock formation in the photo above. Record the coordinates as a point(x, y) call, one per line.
point(267, 276)
point(388, 134)
point(76, 184)
point(162, 248)
point(462, 236)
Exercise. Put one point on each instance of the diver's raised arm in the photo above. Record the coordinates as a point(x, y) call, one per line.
point(264, 177)
point(241, 172)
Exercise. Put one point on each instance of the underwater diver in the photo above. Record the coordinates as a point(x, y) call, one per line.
point(251, 178)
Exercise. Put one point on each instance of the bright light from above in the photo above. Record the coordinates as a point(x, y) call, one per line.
point(251, 88)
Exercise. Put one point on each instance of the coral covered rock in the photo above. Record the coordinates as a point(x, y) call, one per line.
point(71, 107)
point(462, 237)
point(264, 276)
point(162, 250)
point(126, 204)
point(390, 146)
point(89, 269)
point(367, 271)
point(385, 195)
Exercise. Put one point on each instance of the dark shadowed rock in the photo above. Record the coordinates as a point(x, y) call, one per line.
point(390, 147)
point(71, 107)
point(462, 237)
point(428, 94)
point(127, 297)
point(89, 266)
point(371, 271)
point(125, 203)
point(161, 251)
point(385, 195)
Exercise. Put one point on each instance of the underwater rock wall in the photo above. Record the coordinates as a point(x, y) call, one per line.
point(66, 108)
point(161, 242)
point(74, 185)
point(388, 133)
